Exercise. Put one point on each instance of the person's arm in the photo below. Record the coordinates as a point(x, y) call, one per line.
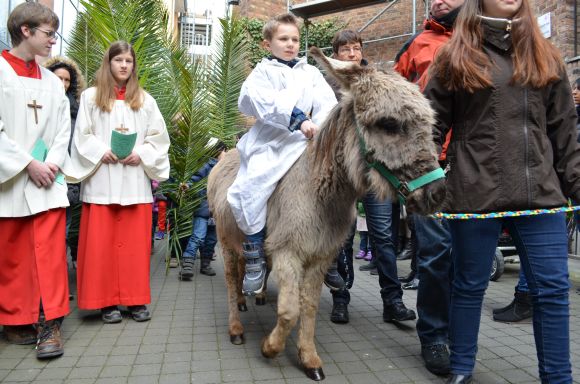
point(259, 99)
point(153, 153)
point(13, 159)
point(88, 146)
point(441, 101)
point(561, 129)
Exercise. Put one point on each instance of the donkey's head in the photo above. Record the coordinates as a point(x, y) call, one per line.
point(390, 150)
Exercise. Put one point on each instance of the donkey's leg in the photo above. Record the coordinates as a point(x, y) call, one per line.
point(309, 300)
point(289, 273)
point(233, 284)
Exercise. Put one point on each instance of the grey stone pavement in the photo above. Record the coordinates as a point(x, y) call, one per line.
point(187, 340)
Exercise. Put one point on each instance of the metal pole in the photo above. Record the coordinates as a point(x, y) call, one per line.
point(306, 23)
point(377, 16)
point(61, 27)
point(414, 16)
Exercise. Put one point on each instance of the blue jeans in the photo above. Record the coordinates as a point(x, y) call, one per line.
point(345, 270)
point(542, 244)
point(207, 249)
point(197, 237)
point(383, 224)
point(364, 241)
point(433, 253)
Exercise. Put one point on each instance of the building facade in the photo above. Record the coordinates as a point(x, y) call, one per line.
point(386, 26)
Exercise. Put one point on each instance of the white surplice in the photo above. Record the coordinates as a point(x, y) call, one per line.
point(118, 183)
point(269, 149)
point(19, 132)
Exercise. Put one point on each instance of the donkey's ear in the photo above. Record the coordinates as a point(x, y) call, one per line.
point(346, 72)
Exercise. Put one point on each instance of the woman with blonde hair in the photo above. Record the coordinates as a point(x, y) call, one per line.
point(120, 144)
point(503, 88)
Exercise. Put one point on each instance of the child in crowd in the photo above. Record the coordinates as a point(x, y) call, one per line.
point(115, 232)
point(289, 99)
point(361, 226)
point(34, 135)
point(202, 233)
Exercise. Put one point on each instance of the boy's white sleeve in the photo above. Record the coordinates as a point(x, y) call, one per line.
point(259, 98)
point(324, 99)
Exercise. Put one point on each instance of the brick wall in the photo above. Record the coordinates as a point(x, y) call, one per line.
point(385, 36)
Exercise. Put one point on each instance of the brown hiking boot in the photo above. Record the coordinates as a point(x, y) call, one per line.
point(49, 343)
point(20, 334)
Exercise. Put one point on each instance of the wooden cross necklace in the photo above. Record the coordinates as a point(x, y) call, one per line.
point(36, 108)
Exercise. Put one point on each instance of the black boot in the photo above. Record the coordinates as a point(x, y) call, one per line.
point(186, 271)
point(332, 279)
point(205, 267)
point(256, 269)
point(409, 250)
point(397, 312)
point(519, 309)
point(339, 313)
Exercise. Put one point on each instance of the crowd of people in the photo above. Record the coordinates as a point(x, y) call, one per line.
point(505, 113)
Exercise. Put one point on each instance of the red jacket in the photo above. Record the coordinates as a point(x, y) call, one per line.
point(418, 54)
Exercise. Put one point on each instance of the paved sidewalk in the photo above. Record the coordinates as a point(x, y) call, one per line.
point(187, 340)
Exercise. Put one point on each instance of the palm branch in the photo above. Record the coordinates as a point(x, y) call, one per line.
point(197, 100)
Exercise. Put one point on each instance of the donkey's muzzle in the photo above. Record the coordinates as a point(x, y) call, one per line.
point(428, 199)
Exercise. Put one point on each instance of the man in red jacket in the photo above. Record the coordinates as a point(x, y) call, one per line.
point(433, 240)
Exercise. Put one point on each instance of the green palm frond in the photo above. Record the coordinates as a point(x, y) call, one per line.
point(197, 100)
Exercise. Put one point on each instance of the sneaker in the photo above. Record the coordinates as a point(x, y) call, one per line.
point(159, 235)
point(256, 269)
point(186, 271)
point(369, 256)
point(49, 342)
point(436, 358)
point(139, 313)
point(111, 315)
point(360, 255)
point(173, 263)
point(411, 285)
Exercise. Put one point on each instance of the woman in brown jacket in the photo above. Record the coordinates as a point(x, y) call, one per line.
point(503, 88)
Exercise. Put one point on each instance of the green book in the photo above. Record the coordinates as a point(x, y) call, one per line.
point(39, 152)
point(122, 144)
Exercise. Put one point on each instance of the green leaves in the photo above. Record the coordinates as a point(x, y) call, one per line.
point(198, 99)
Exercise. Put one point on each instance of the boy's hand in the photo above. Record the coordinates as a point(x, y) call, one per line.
point(308, 128)
point(133, 159)
point(41, 174)
point(109, 158)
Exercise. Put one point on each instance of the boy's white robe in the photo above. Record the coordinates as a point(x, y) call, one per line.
point(19, 196)
point(118, 183)
point(269, 149)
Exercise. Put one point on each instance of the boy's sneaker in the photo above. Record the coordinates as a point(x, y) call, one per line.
point(159, 235)
point(369, 256)
point(436, 358)
point(186, 272)
point(360, 255)
point(256, 270)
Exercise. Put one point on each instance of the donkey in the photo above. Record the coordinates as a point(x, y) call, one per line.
point(382, 125)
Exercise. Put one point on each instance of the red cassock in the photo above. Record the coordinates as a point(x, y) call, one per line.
point(114, 255)
point(33, 267)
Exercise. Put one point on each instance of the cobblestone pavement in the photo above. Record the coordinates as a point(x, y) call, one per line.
point(187, 340)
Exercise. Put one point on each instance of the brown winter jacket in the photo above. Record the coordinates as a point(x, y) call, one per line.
point(513, 147)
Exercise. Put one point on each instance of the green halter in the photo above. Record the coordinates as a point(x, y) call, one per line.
point(403, 188)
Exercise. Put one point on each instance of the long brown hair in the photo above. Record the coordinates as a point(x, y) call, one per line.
point(462, 63)
point(105, 82)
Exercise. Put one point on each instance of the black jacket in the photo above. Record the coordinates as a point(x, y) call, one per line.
point(513, 147)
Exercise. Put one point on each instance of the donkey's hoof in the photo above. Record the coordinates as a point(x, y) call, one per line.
point(243, 307)
point(237, 339)
point(260, 300)
point(315, 374)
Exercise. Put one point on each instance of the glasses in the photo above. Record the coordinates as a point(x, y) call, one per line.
point(349, 49)
point(49, 34)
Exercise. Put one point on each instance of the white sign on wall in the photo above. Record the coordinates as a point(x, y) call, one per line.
point(545, 23)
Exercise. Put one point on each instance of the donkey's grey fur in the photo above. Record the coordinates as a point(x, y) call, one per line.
point(312, 208)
